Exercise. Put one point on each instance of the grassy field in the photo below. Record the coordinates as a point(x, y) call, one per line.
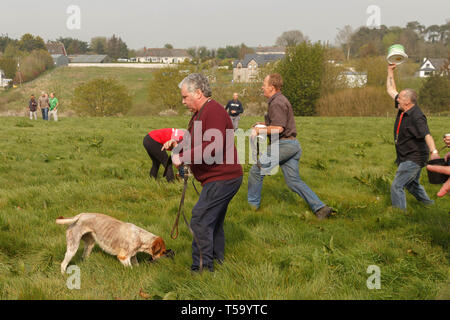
point(64, 80)
point(281, 251)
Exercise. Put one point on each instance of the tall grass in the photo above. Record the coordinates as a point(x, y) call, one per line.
point(360, 102)
point(281, 251)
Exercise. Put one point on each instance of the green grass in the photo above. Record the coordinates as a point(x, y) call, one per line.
point(281, 251)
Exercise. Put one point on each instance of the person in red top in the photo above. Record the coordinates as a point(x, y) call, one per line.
point(208, 148)
point(153, 143)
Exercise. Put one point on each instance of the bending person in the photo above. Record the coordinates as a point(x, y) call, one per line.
point(153, 143)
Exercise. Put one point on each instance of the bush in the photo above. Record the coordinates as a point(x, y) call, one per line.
point(9, 66)
point(360, 102)
point(32, 65)
point(302, 70)
point(163, 88)
point(435, 94)
point(101, 98)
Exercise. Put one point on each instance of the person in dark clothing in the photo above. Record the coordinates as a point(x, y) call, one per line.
point(413, 145)
point(153, 143)
point(32, 105)
point(219, 171)
point(234, 108)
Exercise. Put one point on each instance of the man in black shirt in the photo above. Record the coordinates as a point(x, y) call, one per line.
point(234, 108)
point(413, 144)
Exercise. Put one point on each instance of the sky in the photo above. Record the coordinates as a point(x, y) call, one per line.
point(184, 24)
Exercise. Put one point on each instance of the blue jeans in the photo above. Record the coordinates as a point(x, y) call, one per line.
point(288, 158)
point(407, 176)
point(44, 113)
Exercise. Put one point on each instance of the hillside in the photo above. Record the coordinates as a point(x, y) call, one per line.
point(62, 81)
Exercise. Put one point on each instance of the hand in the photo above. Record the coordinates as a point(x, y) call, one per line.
point(233, 111)
point(391, 67)
point(176, 161)
point(169, 145)
point(447, 141)
point(447, 156)
point(434, 156)
point(254, 133)
point(446, 186)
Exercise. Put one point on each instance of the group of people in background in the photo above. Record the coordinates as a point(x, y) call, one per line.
point(47, 105)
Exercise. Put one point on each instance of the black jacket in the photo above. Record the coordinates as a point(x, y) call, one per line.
point(236, 106)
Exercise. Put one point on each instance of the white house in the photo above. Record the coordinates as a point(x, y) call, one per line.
point(353, 78)
point(431, 66)
point(270, 50)
point(3, 81)
point(164, 55)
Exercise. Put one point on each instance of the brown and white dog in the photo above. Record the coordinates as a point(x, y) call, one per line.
point(118, 238)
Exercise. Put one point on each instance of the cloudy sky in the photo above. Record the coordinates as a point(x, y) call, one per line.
point(211, 23)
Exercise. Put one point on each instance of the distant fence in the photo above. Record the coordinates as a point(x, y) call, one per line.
point(124, 65)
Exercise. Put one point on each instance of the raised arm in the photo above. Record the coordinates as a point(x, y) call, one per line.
point(390, 82)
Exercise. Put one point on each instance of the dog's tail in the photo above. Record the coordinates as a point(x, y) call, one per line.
point(62, 220)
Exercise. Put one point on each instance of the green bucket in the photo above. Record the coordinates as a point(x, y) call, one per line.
point(396, 54)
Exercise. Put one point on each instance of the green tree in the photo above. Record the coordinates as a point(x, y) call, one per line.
point(291, 38)
point(243, 50)
point(98, 45)
point(163, 88)
point(302, 70)
point(29, 43)
point(74, 46)
point(168, 46)
point(102, 97)
point(435, 94)
point(116, 48)
point(4, 41)
point(9, 66)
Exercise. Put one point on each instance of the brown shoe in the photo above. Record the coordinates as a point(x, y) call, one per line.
point(324, 213)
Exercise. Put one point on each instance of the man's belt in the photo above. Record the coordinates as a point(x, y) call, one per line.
point(288, 138)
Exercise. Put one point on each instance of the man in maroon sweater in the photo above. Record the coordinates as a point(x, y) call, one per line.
point(208, 148)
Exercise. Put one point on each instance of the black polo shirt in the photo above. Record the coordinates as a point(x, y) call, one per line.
point(410, 144)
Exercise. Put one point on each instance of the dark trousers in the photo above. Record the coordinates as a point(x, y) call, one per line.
point(207, 220)
point(158, 157)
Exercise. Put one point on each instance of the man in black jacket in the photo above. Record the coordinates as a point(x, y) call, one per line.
point(414, 145)
point(234, 108)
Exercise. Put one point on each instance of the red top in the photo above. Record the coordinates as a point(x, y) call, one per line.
point(164, 135)
point(212, 156)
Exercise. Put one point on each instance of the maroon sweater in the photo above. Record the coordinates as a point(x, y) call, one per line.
point(212, 154)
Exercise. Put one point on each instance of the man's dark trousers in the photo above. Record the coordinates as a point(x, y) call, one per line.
point(207, 220)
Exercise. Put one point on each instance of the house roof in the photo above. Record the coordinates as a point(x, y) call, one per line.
point(88, 58)
point(56, 48)
point(266, 50)
point(436, 63)
point(260, 59)
point(164, 52)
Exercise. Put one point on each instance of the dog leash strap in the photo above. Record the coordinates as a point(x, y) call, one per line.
point(180, 208)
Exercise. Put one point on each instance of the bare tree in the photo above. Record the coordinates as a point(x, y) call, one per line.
point(344, 37)
point(291, 38)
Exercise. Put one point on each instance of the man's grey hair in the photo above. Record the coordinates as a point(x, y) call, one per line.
point(411, 95)
point(196, 81)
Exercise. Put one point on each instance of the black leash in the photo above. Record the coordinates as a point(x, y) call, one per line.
point(181, 210)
